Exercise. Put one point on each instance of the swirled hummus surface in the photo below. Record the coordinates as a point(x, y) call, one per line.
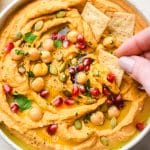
point(60, 85)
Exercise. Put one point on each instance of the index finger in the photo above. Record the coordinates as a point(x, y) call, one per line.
point(136, 45)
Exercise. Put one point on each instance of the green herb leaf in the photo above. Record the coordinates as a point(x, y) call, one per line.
point(29, 37)
point(58, 43)
point(23, 102)
point(19, 52)
point(30, 74)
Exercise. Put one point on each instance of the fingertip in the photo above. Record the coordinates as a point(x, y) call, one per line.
point(117, 53)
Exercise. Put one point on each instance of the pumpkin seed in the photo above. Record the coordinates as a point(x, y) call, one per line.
point(53, 70)
point(21, 69)
point(78, 124)
point(18, 36)
point(63, 77)
point(104, 140)
point(113, 122)
point(39, 25)
point(62, 67)
point(61, 14)
point(67, 93)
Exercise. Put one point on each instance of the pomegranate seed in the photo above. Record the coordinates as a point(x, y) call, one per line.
point(87, 61)
point(62, 37)
point(87, 68)
point(118, 98)
point(75, 91)
point(69, 101)
point(106, 91)
point(81, 45)
point(80, 67)
point(7, 89)
point(95, 91)
point(80, 39)
point(44, 93)
point(109, 102)
point(52, 128)
point(111, 77)
point(9, 47)
point(140, 126)
point(54, 36)
point(14, 108)
point(72, 70)
point(73, 78)
point(82, 89)
point(119, 104)
point(66, 43)
point(58, 101)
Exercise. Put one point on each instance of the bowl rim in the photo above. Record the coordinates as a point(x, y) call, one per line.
point(6, 12)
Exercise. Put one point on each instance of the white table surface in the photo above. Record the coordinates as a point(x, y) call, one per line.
point(144, 6)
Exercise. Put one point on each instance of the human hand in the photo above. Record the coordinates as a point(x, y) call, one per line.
point(135, 57)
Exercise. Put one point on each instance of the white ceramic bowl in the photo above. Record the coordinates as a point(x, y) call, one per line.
point(3, 16)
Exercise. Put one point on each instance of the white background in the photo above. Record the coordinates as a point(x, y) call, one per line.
point(144, 6)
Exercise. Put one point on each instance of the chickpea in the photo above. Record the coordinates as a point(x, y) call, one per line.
point(48, 44)
point(46, 56)
point(35, 114)
point(37, 84)
point(72, 36)
point(97, 118)
point(109, 42)
point(16, 54)
point(113, 111)
point(40, 69)
point(81, 78)
point(33, 54)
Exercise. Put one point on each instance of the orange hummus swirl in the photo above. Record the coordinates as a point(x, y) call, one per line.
point(61, 86)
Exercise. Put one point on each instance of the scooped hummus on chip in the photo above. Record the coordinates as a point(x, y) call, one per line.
point(61, 87)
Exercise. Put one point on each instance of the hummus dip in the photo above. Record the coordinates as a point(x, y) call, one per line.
point(61, 86)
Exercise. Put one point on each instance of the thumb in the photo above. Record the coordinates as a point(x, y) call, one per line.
point(139, 68)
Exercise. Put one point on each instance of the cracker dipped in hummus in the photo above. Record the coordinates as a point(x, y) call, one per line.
point(61, 87)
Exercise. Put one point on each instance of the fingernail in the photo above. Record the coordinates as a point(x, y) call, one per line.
point(127, 63)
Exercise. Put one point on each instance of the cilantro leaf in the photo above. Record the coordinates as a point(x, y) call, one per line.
point(29, 37)
point(30, 74)
point(23, 102)
point(58, 43)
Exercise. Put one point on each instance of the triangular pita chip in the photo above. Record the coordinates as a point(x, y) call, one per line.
point(97, 20)
point(111, 62)
point(122, 25)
